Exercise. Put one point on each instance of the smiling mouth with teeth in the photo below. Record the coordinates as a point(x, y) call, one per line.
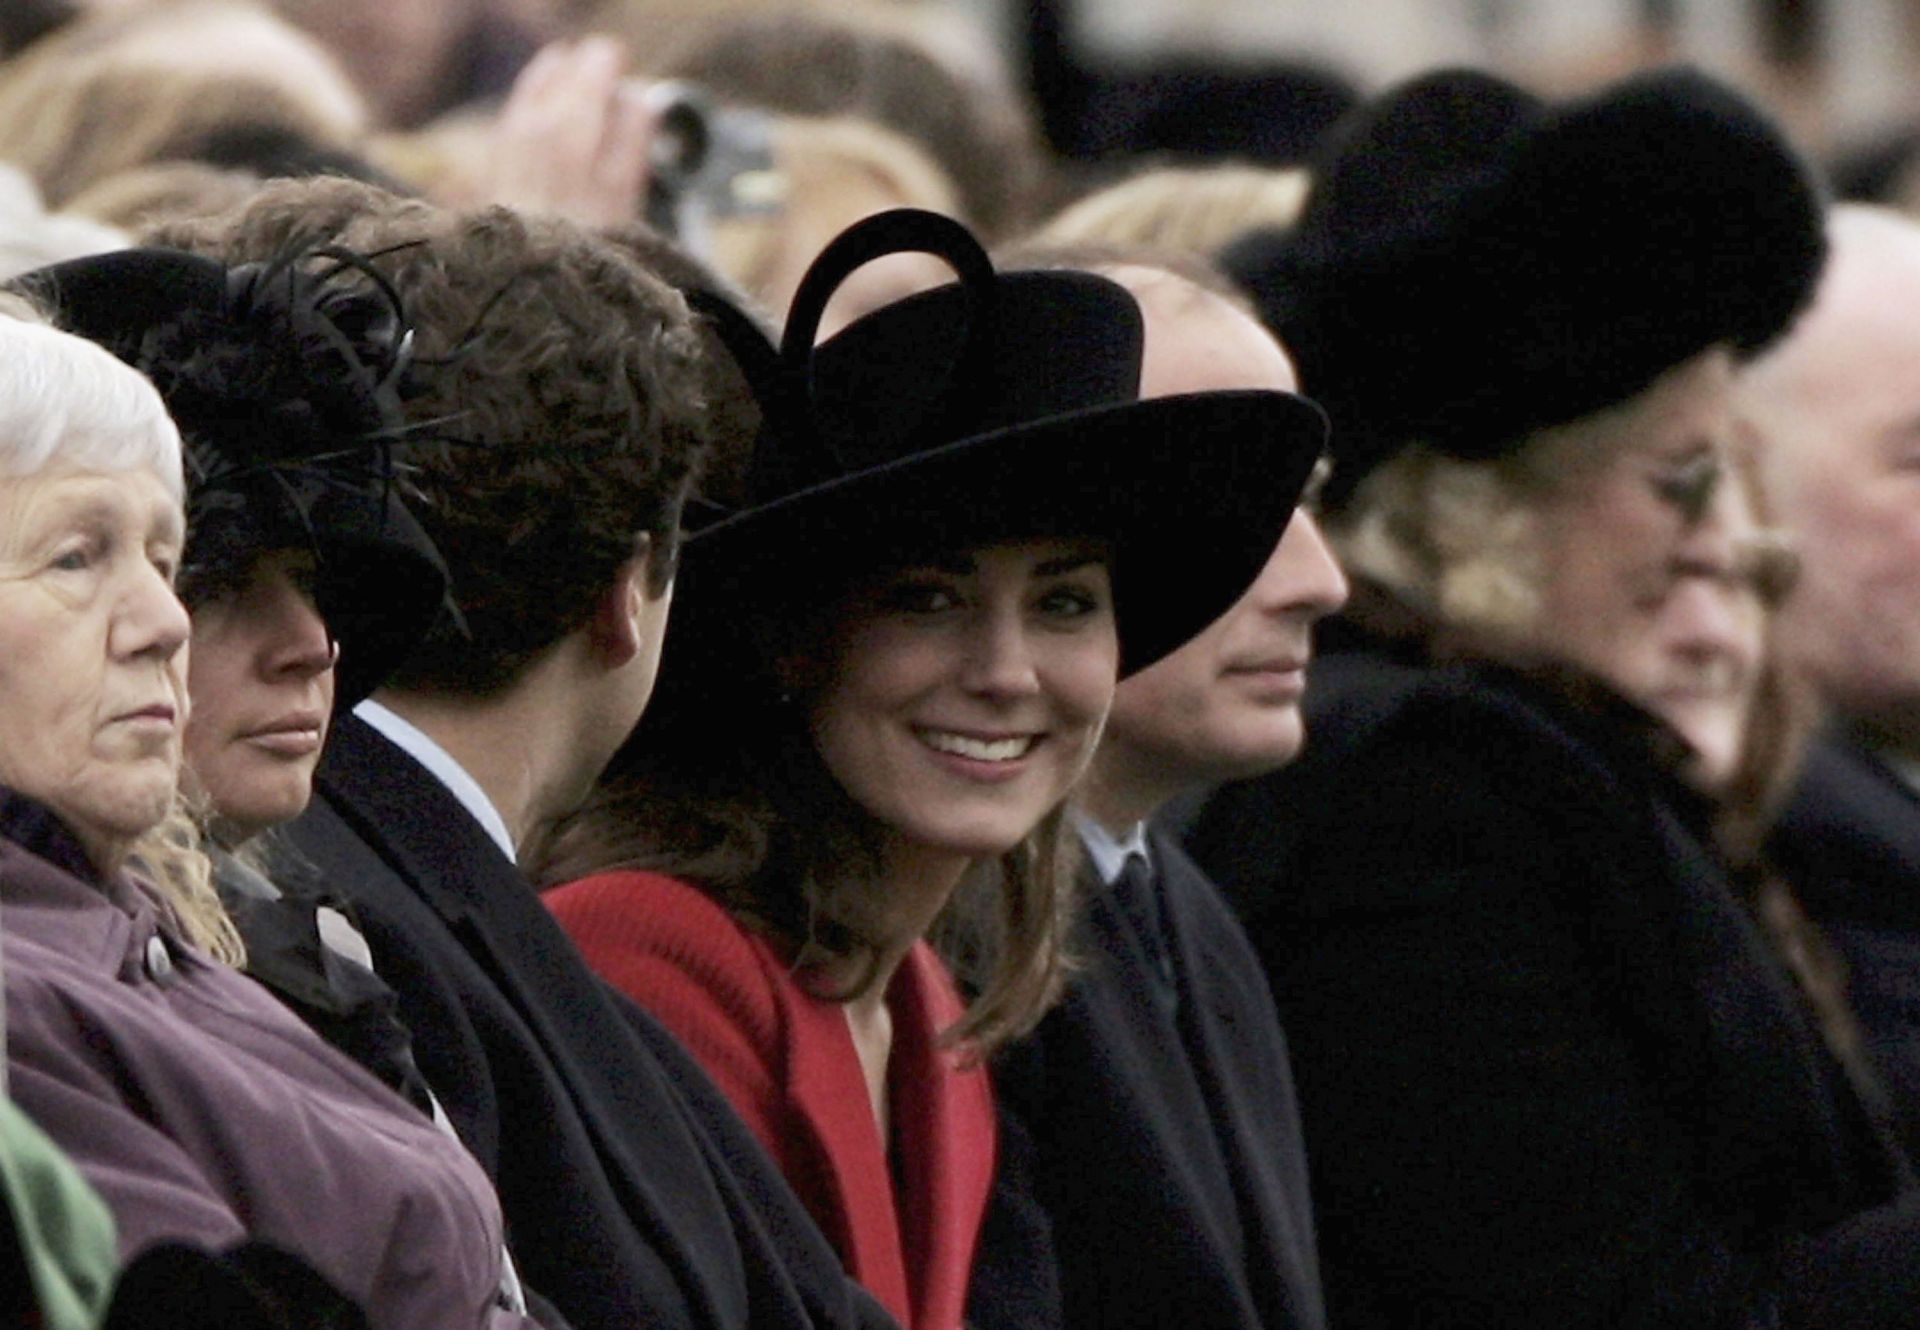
point(979, 750)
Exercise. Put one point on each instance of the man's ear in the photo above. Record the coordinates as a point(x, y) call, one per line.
point(618, 630)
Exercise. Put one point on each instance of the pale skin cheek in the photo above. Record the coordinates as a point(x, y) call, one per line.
point(1097, 702)
point(1885, 630)
point(56, 748)
point(1859, 596)
point(90, 787)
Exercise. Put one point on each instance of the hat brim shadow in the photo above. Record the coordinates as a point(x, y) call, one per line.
point(1190, 493)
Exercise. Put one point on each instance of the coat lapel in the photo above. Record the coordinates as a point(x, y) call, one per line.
point(943, 1121)
point(828, 1090)
point(911, 1244)
point(620, 1091)
point(1239, 1057)
point(1849, 839)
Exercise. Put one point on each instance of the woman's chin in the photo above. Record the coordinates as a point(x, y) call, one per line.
point(108, 822)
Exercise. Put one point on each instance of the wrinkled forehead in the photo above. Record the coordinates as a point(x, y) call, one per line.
point(133, 503)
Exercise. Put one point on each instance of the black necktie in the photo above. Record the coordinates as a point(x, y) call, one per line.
point(1138, 895)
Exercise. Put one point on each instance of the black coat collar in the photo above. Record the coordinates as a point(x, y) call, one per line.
point(1849, 839)
point(621, 1091)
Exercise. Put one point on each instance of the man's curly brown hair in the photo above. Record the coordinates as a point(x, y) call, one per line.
point(554, 397)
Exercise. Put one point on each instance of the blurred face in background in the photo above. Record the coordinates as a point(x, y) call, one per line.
point(399, 53)
point(1836, 408)
point(1649, 573)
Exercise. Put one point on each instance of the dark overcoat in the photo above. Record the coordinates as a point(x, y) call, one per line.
point(633, 1194)
point(1849, 843)
point(1551, 1075)
point(1152, 1169)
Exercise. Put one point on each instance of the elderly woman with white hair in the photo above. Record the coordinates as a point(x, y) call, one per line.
point(198, 1107)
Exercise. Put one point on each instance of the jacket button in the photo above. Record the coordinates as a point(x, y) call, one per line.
point(159, 959)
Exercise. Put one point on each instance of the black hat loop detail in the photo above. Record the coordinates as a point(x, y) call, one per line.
point(897, 231)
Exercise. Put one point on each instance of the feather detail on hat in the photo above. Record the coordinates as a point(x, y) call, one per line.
point(288, 366)
point(284, 378)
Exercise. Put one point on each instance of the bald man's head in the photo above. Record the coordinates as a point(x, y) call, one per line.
point(1227, 704)
point(1836, 409)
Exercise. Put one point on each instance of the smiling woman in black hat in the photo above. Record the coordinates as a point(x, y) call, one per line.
point(1557, 1067)
point(886, 673)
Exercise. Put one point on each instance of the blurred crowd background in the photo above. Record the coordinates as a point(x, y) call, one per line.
point(787, 120)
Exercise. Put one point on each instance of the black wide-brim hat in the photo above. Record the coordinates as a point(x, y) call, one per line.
point(281, 382)
point(1474, 265)
point(1002, 407)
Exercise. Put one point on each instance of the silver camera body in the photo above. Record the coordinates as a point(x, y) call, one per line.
point(708, 161)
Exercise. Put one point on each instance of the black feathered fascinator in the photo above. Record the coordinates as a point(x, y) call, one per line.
point(283, 378)
point(1474, 264)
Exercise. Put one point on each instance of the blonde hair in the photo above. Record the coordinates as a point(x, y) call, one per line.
point(830, 173)
point(114, 91)
point(1185, 210)
point(142, 198)
point(1461, 540)
point(172, 858)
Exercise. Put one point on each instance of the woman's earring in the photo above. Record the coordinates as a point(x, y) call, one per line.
point(333, 652)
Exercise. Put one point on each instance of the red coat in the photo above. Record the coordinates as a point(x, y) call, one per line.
point(906, 1228)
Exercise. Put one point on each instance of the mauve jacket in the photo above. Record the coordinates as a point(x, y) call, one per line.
point(204, 1112)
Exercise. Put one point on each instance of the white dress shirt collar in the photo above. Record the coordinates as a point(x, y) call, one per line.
point(1110, 853)
point(418, 745)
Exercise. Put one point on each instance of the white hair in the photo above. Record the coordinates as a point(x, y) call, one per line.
point(66, 402)
point(31, 237)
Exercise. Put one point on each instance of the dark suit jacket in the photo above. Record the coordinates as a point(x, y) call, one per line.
point(1550, 1073)
point(1849, 842)
point(1152, 1145)
point(633, 1195)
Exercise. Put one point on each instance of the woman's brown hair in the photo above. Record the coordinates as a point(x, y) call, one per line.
point(749, 813)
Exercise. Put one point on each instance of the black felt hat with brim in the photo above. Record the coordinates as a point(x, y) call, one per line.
point(282, 378)
point(1475, 264)
point(1001, 407)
